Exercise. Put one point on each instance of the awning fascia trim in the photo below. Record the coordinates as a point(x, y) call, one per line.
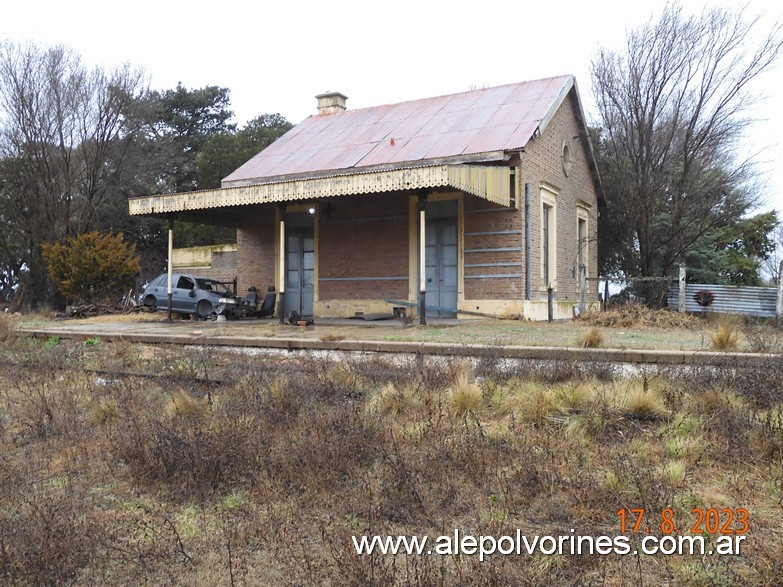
point(490, 183)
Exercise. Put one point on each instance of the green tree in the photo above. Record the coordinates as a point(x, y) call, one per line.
point(184, 119)
point(673, 108)
point(221, 153)
point(91, 266)
point(226, 151)
point(180, 123)
point(734, 254)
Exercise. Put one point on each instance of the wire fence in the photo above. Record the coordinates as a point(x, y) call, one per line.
point(648, 291)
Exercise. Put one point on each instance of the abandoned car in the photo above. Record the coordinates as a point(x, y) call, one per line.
point(198, 296)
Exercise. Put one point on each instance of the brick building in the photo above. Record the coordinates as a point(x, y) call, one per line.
point(477, 202)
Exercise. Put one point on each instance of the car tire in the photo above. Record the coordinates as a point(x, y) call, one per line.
point(151, 302)
point(204, 309)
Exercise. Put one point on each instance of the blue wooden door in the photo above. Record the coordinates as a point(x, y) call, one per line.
point(442, 258)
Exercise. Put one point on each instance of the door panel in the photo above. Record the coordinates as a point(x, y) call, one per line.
point(300, 272)
point(442, 256)
point(293, 290)
point(180, 295)
point(308, 274)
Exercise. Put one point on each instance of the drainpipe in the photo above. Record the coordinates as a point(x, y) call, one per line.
point(550, 310)
point(281, 280)
point(169, 269)
point(422, 260)
point(528, 190)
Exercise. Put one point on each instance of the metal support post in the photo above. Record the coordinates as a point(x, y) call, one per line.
point(681, 298)
point(779, 308)
point(170, 290)
point(422, 207)
point(281, 263)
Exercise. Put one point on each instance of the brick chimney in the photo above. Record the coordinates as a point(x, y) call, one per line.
point(331, 102)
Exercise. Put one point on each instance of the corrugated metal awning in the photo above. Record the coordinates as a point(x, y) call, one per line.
point(490, 183)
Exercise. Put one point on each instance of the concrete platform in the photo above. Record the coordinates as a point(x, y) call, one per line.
point(352, 335)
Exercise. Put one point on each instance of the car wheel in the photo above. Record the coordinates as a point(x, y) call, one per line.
point(151, 303)
point(204, 309)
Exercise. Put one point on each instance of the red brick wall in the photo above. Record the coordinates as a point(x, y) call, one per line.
point(364, 237)
point(481, 216)
point(541, 162)
point(255, 263)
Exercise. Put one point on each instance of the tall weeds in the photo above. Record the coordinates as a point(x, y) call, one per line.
point(230, 470)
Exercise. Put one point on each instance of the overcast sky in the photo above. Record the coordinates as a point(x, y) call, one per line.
point(275, 56)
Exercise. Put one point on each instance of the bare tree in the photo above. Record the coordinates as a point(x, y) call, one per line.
point(673, 106)
point(64, 135)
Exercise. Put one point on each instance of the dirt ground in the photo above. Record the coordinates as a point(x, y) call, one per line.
point(694, 335)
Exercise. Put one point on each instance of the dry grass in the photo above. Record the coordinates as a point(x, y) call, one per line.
point(395, 400)
point(724, 337)
point(231, 470)
point(134, 316)
point(186, 407)
point(763, 338)
point(639, 315)
point(645, 405)
point(464, 394)
point(7, 325)
point(590, 339)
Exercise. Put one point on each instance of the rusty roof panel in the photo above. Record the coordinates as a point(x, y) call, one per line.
point(257, 167)
point(382, 152)
point(443, 121)
point(506, 114)
point(410, 127)
point(416, 148)
point(297, 161)
point(453, 143)
point(493, 140)
point(401, 111)
point(463, 101)
point(493, 96)
point(433, 106)
point(479, 118)
point(328, 158)
point(524, 132)
point(474, 122)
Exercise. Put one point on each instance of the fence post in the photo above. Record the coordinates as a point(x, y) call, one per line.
point(681, 301)
point(779, 307)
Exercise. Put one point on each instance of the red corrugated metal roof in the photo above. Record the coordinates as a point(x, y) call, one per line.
point(480, 121)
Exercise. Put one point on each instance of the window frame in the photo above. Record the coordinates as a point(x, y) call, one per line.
point(548, 266)
point(583, 243)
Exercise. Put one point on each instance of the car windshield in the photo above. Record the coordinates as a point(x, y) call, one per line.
point(212, 285)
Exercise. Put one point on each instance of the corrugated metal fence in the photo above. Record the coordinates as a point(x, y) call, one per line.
point(726, 299)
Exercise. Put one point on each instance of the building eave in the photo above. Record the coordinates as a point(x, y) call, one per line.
point(488, 182)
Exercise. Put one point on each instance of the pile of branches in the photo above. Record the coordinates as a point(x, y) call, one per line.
point(126, 304)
